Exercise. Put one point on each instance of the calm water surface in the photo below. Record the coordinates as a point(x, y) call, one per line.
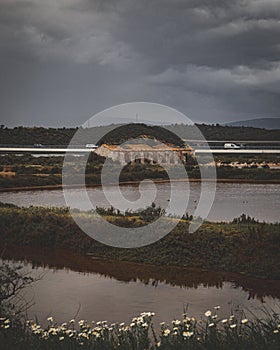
point(118, 291)
point(261, 201)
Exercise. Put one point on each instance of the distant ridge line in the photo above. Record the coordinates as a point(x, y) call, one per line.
point(264, 123)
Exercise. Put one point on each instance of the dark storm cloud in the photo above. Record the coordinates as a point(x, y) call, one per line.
point(62, 61)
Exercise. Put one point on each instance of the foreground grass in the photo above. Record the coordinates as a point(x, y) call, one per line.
point(244, 246)
point(208, 332)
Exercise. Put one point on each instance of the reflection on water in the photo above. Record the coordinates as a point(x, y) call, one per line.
point(117, 291)
point(261, 201)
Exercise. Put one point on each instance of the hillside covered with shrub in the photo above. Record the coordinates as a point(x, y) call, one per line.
point(117, 133)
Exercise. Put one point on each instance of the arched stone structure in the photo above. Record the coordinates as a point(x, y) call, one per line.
point(162, 155)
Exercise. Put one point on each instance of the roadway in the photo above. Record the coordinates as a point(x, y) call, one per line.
point(82, 150)
point(44, 150)
point(237, 151)
point(230, 141)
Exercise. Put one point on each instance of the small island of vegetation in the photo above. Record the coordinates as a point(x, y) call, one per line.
point(244, 245)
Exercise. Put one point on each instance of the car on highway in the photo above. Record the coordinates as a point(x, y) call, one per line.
point(90, 145)
point(231, 146)
point(38, 145)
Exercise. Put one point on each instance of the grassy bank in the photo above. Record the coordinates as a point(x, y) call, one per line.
point(243, 246)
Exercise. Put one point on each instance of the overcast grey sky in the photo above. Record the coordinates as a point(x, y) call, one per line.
point(61, 61)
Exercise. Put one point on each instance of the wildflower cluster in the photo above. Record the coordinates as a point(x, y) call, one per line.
point(83, 334)
point(213, 332)
point(207, 332)
point(5, 323)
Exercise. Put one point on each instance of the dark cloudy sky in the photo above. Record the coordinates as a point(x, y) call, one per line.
point(61, 61)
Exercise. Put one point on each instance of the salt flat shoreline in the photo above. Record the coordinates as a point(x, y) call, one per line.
point(135, 183)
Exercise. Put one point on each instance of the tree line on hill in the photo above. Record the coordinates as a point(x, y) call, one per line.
point(116, 133)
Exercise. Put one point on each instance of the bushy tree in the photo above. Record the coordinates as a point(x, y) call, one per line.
point(151, 213)
point(12, 281)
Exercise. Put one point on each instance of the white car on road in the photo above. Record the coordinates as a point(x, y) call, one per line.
point(231, 145)
point(90, 145)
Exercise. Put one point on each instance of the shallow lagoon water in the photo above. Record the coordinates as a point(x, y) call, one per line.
point(85, 288)
point(261, 201)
